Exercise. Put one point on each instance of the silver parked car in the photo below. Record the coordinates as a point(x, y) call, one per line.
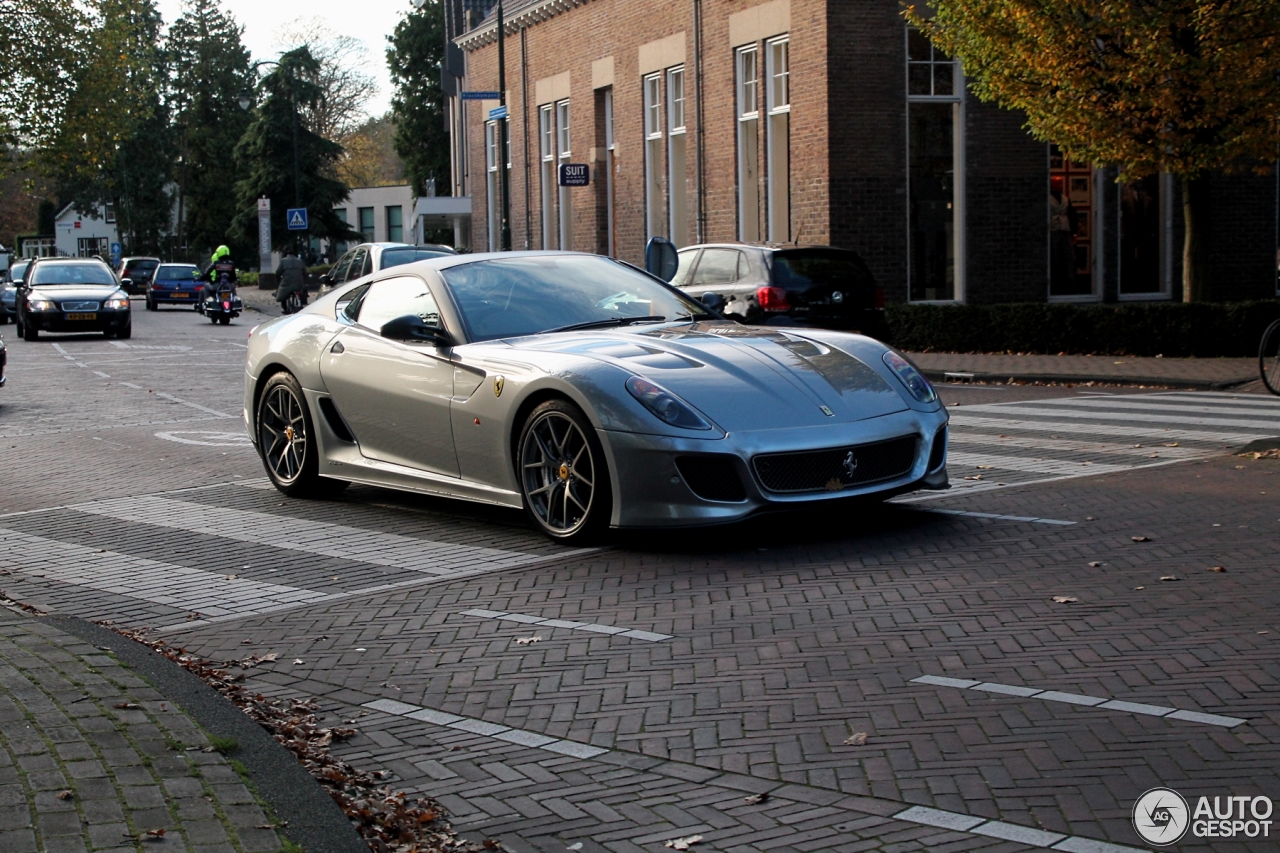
point(367, 258)
point(586, 391)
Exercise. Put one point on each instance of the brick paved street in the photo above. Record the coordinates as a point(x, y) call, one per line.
point(674, 676)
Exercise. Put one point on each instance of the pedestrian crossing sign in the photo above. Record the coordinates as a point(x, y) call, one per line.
point(297, 218)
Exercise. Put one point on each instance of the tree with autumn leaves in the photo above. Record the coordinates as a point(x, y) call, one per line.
point(1186, 87)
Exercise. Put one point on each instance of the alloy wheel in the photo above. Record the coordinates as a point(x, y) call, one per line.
point(282, 433)
point(558, 473)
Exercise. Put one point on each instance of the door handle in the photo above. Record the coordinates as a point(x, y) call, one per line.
point(337, 348)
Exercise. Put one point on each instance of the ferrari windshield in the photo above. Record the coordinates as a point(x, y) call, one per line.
point(72, 274)
point(510, 297)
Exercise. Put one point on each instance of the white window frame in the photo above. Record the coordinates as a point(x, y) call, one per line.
point(677, 157)
point(778, 108)
point(547, 150)
point(654, 189)
point(747, 111)
point(610, 146)
point(956, 98)
point(491, 156)
point(563, 154)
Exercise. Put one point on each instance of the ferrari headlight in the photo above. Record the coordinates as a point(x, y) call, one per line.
point(41, 305)
point(117, 302)
point(915, 383)
point(666, 406)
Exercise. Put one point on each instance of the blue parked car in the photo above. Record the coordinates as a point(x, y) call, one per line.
point(174, 284)
point(9, 290)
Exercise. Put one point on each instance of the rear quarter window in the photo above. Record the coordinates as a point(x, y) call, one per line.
point(802, 269)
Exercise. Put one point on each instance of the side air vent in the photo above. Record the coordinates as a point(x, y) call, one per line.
point(713, 477)
point(335, 421)
point(939, 453)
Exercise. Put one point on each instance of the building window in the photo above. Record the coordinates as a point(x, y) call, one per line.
point(778, 138)
point(366, 223)
point(1072, 256)
point(654, 191)
point(547, 140)
point(562, 157)
point(1146, 238)
point(491, 183)
point(395, 224)
point(935, 173)
point(610, 166)
point(677, 157)
point(748, 109)
point(110, 213)
point(91, 247)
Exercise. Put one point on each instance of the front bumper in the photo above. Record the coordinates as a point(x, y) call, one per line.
point(649, 489)
point(56, 321)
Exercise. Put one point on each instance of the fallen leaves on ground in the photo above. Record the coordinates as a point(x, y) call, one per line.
point(64, 795)
point(974, 477)
point(856, 739)
point(1273, 453)
point(389, 821)
point(1065, 599)
point(1095, 564)
point(1219, 569)
point(757, 799)
point(1170, 578)
point(524, 641)
point(684, 843)
point(1140, 538)
point(126, 706)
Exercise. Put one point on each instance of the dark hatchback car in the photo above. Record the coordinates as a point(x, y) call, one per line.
point(72, 295)
point(136, 273)
point(174, 284)
point(786, 285)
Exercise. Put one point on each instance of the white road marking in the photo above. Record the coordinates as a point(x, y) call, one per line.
point(1133, 417)
point(1081, 699)
point(996, 517)
point(484, 727)
point(957, 822)
point(100, 373)
point(595, 628)
point(965, 461)
point(149, 580)
point(207, 439)
point(1137, 433)
point(311, 537)
point(197, 406)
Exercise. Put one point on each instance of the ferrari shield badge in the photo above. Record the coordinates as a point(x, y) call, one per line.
point(498, 382)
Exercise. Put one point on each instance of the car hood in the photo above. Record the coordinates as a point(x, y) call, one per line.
point(59, 292)
point(742, 377)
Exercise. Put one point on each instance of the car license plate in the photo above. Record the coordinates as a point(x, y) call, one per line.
point(180, 295)
point(82, 316)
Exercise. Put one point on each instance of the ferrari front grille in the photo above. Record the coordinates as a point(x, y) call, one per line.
point(713, 477)
point(837, 468)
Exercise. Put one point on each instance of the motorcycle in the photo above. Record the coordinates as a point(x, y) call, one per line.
point(222, 306)
point(294, 302)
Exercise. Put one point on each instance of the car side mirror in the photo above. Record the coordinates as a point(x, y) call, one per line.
point(126, 281)
point(411, 327)
point(660, 258)
point(714, 301)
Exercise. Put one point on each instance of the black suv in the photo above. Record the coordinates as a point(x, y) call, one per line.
point(786, 285)
point(135, 274)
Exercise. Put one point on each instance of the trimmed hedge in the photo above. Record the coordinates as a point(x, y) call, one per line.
point(1173, 329)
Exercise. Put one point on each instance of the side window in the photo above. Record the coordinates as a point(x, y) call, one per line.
point(718, 266)
point(687, 259)
point(339, 271)
point(744, 266)
point(368, 264)
point(396, 297)
point(349, 305)
point(356, 270)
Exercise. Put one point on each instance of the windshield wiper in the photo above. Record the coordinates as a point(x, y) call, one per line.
point(606, 323)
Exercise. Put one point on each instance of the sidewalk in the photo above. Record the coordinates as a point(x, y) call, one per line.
point(94, 758)
point(1199, 373)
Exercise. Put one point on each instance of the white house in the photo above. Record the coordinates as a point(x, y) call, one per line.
point(85, 235)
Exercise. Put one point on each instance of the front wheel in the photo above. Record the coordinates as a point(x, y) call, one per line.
point(563, 476)
point(286, 440)
point(28, 332)
point(1269, 358)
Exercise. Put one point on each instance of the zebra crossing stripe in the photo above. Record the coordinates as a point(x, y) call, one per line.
point(964, 419)
point(1133, 417)
point(179, 587)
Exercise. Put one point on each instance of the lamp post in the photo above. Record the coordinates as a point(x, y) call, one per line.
point(245, 99)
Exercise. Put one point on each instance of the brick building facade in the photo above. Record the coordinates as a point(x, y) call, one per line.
point(819, 122)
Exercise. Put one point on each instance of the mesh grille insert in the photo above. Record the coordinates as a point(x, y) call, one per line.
point(836, 468)
point(712, 478)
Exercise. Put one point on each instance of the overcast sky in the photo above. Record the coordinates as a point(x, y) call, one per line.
point(371, 21)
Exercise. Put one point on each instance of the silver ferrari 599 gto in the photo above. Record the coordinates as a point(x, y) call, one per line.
point(586, 391)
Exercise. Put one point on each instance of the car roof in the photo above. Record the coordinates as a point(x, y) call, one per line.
point(61, 260)
point(764, 247)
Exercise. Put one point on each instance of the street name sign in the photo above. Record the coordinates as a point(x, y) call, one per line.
point(481, 96)
point(497, 113)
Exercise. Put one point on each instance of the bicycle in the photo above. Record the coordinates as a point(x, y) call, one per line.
point(1269, 358)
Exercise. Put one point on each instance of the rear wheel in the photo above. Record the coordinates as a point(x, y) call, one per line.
point(286, 440)
point(564, 479)
point(1269, 357)
point(225, 319)
point(151, 304)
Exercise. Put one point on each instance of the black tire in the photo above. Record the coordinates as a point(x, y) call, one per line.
point(562, 472)
point(151, 304)
point(1269, 358)
point(285, 441)
point(225, 319)
point(213, 318)
point(125, 332)
point(4, 319)
point(29, 332)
